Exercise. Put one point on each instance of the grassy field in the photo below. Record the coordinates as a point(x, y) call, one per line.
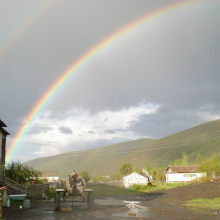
point(103, 190)
point(200, 204)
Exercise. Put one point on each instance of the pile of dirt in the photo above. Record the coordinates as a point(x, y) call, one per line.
point(206, 190)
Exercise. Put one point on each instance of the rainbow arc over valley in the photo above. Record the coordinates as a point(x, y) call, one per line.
point(83, 59)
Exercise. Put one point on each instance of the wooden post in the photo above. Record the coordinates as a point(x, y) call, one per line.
point(1, 203)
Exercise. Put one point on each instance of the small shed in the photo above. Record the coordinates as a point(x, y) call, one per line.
point(182, 173)
point(134, 178)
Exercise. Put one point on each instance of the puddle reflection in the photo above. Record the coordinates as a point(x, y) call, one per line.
point(135, 209)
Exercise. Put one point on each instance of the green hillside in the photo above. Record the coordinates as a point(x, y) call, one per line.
point(204, 139)
point(92, 161)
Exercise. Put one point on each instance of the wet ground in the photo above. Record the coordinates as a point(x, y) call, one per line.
point(157, 205)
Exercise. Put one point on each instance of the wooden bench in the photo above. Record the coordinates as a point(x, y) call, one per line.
point(90, 198)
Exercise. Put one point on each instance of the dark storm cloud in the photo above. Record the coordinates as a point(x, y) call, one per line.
point(38, 129)
point(47, 143)
point(65, 130)
point(172, 62)
point(167, 121)
point(109, 131)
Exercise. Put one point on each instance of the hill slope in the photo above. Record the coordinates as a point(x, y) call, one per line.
point(89, 160)
point(204, 139)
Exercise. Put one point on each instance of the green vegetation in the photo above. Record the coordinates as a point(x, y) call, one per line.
point(112, 177)
point(85, 175)
point(198, 204)
point(156, 186)
point(211, 165)
point(181, 161)
point(21, 173)
point(104, 190)
point(125, 169)
point(199, 140)
point(52, 193)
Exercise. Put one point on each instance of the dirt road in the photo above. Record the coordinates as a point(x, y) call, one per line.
point(157, 205)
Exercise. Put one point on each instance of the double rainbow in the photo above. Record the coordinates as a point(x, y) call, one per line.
point(82, 60)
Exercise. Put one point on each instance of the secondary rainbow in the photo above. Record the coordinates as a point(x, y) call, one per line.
point(88, 55)
point(23, 26)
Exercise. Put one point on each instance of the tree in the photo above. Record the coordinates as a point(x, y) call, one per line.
point(126, 169)
point(148, 167)
point(85, 175)
point(176, 162)
point(199, 159)
point(21, 173)
point(211, 165)
point(184, 160)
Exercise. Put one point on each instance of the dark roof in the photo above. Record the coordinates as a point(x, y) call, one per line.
point(52, 173)
point(4, 131)
point(2, 124)
point(182, 169)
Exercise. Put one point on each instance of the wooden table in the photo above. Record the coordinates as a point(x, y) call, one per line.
point(90, 198)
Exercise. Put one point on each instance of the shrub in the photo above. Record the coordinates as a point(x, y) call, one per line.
point(21, 173)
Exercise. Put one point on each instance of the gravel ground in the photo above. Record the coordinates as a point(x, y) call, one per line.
point(157, 205)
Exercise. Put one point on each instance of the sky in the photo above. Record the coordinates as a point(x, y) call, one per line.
point(160, 78)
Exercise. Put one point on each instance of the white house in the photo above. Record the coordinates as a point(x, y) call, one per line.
point(182, 173)
point(134, 178)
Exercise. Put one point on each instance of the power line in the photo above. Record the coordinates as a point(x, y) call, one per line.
point(153, 146)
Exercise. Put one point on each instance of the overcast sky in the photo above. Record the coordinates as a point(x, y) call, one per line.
point(160, 78)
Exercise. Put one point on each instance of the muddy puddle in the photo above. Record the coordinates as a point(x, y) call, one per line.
point(135, 209)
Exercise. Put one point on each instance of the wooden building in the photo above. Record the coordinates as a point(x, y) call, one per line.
point(3, 135)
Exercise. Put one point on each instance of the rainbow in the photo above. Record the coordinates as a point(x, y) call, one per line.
point(82, 60)
point(23, 25)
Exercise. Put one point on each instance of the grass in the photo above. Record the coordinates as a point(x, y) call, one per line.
point(20, 202)
point(202, 204)
point(157, 186)
point(103, 190)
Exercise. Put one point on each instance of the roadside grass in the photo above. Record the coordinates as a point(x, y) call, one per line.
point(104, 190)
point(157, 186)
point(201, 179)
point(20, 202)
point(52, 193)
point(203, 204)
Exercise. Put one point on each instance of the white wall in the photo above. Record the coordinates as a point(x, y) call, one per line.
point(134, 178)
point(183, 177)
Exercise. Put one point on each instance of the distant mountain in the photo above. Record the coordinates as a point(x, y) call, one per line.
point(204, 139)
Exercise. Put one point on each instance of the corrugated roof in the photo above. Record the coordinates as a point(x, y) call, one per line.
point(182, 169)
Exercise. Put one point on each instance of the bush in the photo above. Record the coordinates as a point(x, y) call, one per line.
point(85, 175)
point(139, 187)
point(21, 173)
point(125, 169)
